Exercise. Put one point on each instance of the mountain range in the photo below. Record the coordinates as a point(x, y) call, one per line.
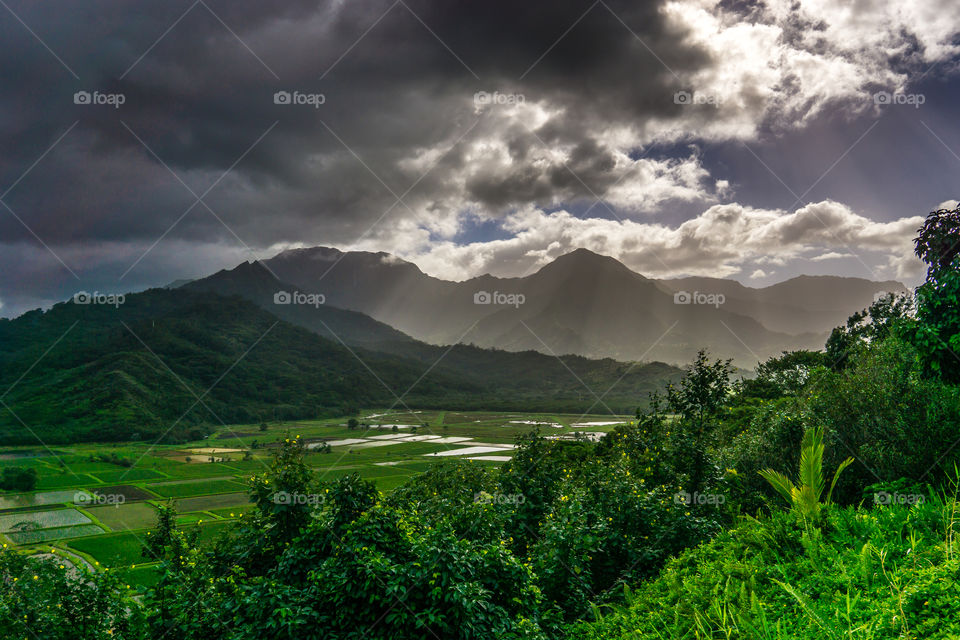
point(581, 303)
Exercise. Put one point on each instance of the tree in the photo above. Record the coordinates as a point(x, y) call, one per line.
point(937, 335)
point(280, 493)
point(698, 401)
point(176, 551)
point(784, 375)
point(869, 325)
point(18, 479)
point(352, 424)
point(702, 392)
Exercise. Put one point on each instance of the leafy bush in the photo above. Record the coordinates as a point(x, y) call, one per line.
point(610, 527)
point(47, 597)
point(881, 573)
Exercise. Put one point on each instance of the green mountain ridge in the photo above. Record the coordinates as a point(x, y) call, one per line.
point(171, 364)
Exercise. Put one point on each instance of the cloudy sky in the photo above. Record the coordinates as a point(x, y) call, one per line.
point(147, 142)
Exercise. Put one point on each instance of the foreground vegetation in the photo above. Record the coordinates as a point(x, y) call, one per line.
point(818, 500)
point(867, 573)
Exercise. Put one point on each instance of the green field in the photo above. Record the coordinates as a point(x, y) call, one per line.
point(207, 503)
point(128, 475)
point(129, 516)
point(214, 493)
point(195, 488)
point(113, 549)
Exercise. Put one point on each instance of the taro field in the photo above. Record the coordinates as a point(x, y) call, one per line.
point(95, 503)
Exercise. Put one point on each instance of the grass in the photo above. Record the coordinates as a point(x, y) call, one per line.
point(65, 480)
point(191, 518)
point(129, 492)
point(886, 572)
point(390, 483)
point(140, 576)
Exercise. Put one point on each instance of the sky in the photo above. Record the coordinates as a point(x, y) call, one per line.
point(149, 142)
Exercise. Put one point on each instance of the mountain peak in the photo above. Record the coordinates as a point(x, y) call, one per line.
point(314, 253)
point(586, 260)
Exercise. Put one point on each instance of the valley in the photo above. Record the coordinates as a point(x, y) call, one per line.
point(99, 501)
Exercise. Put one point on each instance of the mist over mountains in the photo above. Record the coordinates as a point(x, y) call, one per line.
point(581, 303)
point(584, 303)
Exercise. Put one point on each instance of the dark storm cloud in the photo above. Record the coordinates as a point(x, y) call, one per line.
point(596, 82)
point(199, 99)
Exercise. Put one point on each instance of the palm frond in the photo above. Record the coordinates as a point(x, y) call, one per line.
point(780, 482)
point(811, 461)
point(804, 496)
point(836, 475)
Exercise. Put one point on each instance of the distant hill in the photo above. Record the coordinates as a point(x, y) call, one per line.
point(802, 304)
point(171, 363)
point(586, 304)
point(253, 282)
point(530, 374)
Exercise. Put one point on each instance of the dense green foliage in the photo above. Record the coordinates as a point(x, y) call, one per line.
point(54, 598)
point(937, 332)
point(887, 572)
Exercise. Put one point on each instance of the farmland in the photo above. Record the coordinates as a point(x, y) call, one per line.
point(98, 501)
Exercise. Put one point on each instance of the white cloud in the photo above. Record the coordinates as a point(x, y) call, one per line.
point(832, 255)
point(719, 242)
point(785, 61)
